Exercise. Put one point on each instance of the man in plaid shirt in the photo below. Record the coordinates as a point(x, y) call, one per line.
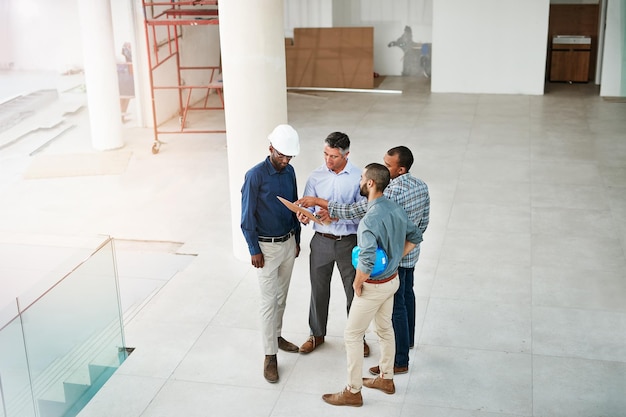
point(412, 195)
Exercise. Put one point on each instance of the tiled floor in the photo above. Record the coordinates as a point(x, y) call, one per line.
point(521, 285)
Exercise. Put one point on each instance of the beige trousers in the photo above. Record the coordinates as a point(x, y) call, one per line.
point(375, 303)
point(274, 279)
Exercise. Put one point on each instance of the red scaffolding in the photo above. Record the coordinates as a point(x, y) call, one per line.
point(163, 22)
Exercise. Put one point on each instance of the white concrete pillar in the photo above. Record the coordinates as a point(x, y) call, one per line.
point(103, 97)
point(255, 90)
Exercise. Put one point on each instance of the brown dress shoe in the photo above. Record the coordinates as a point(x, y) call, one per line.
point(344, 397)
point(366, 349)
point(310, 345)
point(375, 370)
point(286, 346)
point(385, 385)
point(270, 368)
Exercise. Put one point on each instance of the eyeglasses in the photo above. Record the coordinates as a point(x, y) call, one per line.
point(281, 156)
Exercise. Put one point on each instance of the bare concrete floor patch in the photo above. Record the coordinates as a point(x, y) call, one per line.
point(72, 165)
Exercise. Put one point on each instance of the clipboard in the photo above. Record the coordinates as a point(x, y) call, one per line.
point(299, 209)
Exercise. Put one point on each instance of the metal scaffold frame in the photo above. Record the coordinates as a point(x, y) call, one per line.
point(163, 21)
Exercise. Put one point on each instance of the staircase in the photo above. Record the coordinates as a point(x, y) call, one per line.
point(14, 111)
point(67, 384)
point(76, 395)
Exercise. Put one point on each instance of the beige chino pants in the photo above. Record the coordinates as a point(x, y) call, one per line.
point(375, 303)
point(274, 279)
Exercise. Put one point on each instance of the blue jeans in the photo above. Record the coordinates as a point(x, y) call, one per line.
point(403, 316)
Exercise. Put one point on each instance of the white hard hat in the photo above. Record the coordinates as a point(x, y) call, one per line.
point(285, 140)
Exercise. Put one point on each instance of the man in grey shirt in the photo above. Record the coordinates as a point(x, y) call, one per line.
point(384, 226)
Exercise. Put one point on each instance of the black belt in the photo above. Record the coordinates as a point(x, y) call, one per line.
point(276, 239)
point(333, 237)
point(382, 281)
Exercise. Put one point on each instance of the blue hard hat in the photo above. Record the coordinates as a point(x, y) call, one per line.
point(379, 266)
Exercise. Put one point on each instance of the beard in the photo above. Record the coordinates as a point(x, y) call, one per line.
point(363, 191)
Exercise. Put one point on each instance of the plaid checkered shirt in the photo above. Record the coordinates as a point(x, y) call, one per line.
point(410, 193)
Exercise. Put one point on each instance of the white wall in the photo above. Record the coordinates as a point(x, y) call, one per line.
point(45, 36)
point(388, 19)
point(489, 46)
point(42, 36)
point(614, 57)
point(307, 14)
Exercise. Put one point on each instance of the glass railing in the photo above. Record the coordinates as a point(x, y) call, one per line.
point(60, 345)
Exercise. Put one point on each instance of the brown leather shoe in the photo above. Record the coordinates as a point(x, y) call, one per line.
point(270, 368)
point(286, 346)
point(344, 397)
point(310, 345)
point(375, 370)
point(385, 385)
point(366, 349)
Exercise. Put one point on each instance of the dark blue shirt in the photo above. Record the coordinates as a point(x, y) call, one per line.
point(262, 214)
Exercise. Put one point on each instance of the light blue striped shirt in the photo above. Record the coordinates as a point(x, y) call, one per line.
point(343, 188)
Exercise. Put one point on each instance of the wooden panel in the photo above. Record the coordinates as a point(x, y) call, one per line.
point(570, 65)
point(575, 19)
point(331, 57)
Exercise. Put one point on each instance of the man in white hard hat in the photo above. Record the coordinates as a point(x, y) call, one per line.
point(272, 232)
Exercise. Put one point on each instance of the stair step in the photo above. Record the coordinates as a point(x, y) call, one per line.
point(73, 392)
point(48, 408)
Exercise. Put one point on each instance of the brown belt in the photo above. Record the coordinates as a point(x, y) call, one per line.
point(329, 236)
point(382, 281)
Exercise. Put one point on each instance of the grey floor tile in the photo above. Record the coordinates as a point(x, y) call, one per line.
point(559, 221)
point(501, 125)
point(496, 283)
point(493, 143)
point(124, 396)
point(421, 307)
point(570, 287)
point(493, 192)
point(578, 252)
point(231, 313)
point(192, 299)
point(311, 405)
point(495, 170)
point(566, 387)
point(587, 334)
point(494, 248)
point(478, 325)
point(457, 378)
point(569, 196)
point(489, 217)
point(232, 357)
point(159, 347)
point(330, 358)
point(561, 146)
point(617, 200)
point(566, 172)
point(424, 275)
point(420, 411)
point(193, 399)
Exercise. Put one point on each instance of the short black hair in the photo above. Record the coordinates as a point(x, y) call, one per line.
point(338, 140)
point(379, 174)
point(405, 156)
